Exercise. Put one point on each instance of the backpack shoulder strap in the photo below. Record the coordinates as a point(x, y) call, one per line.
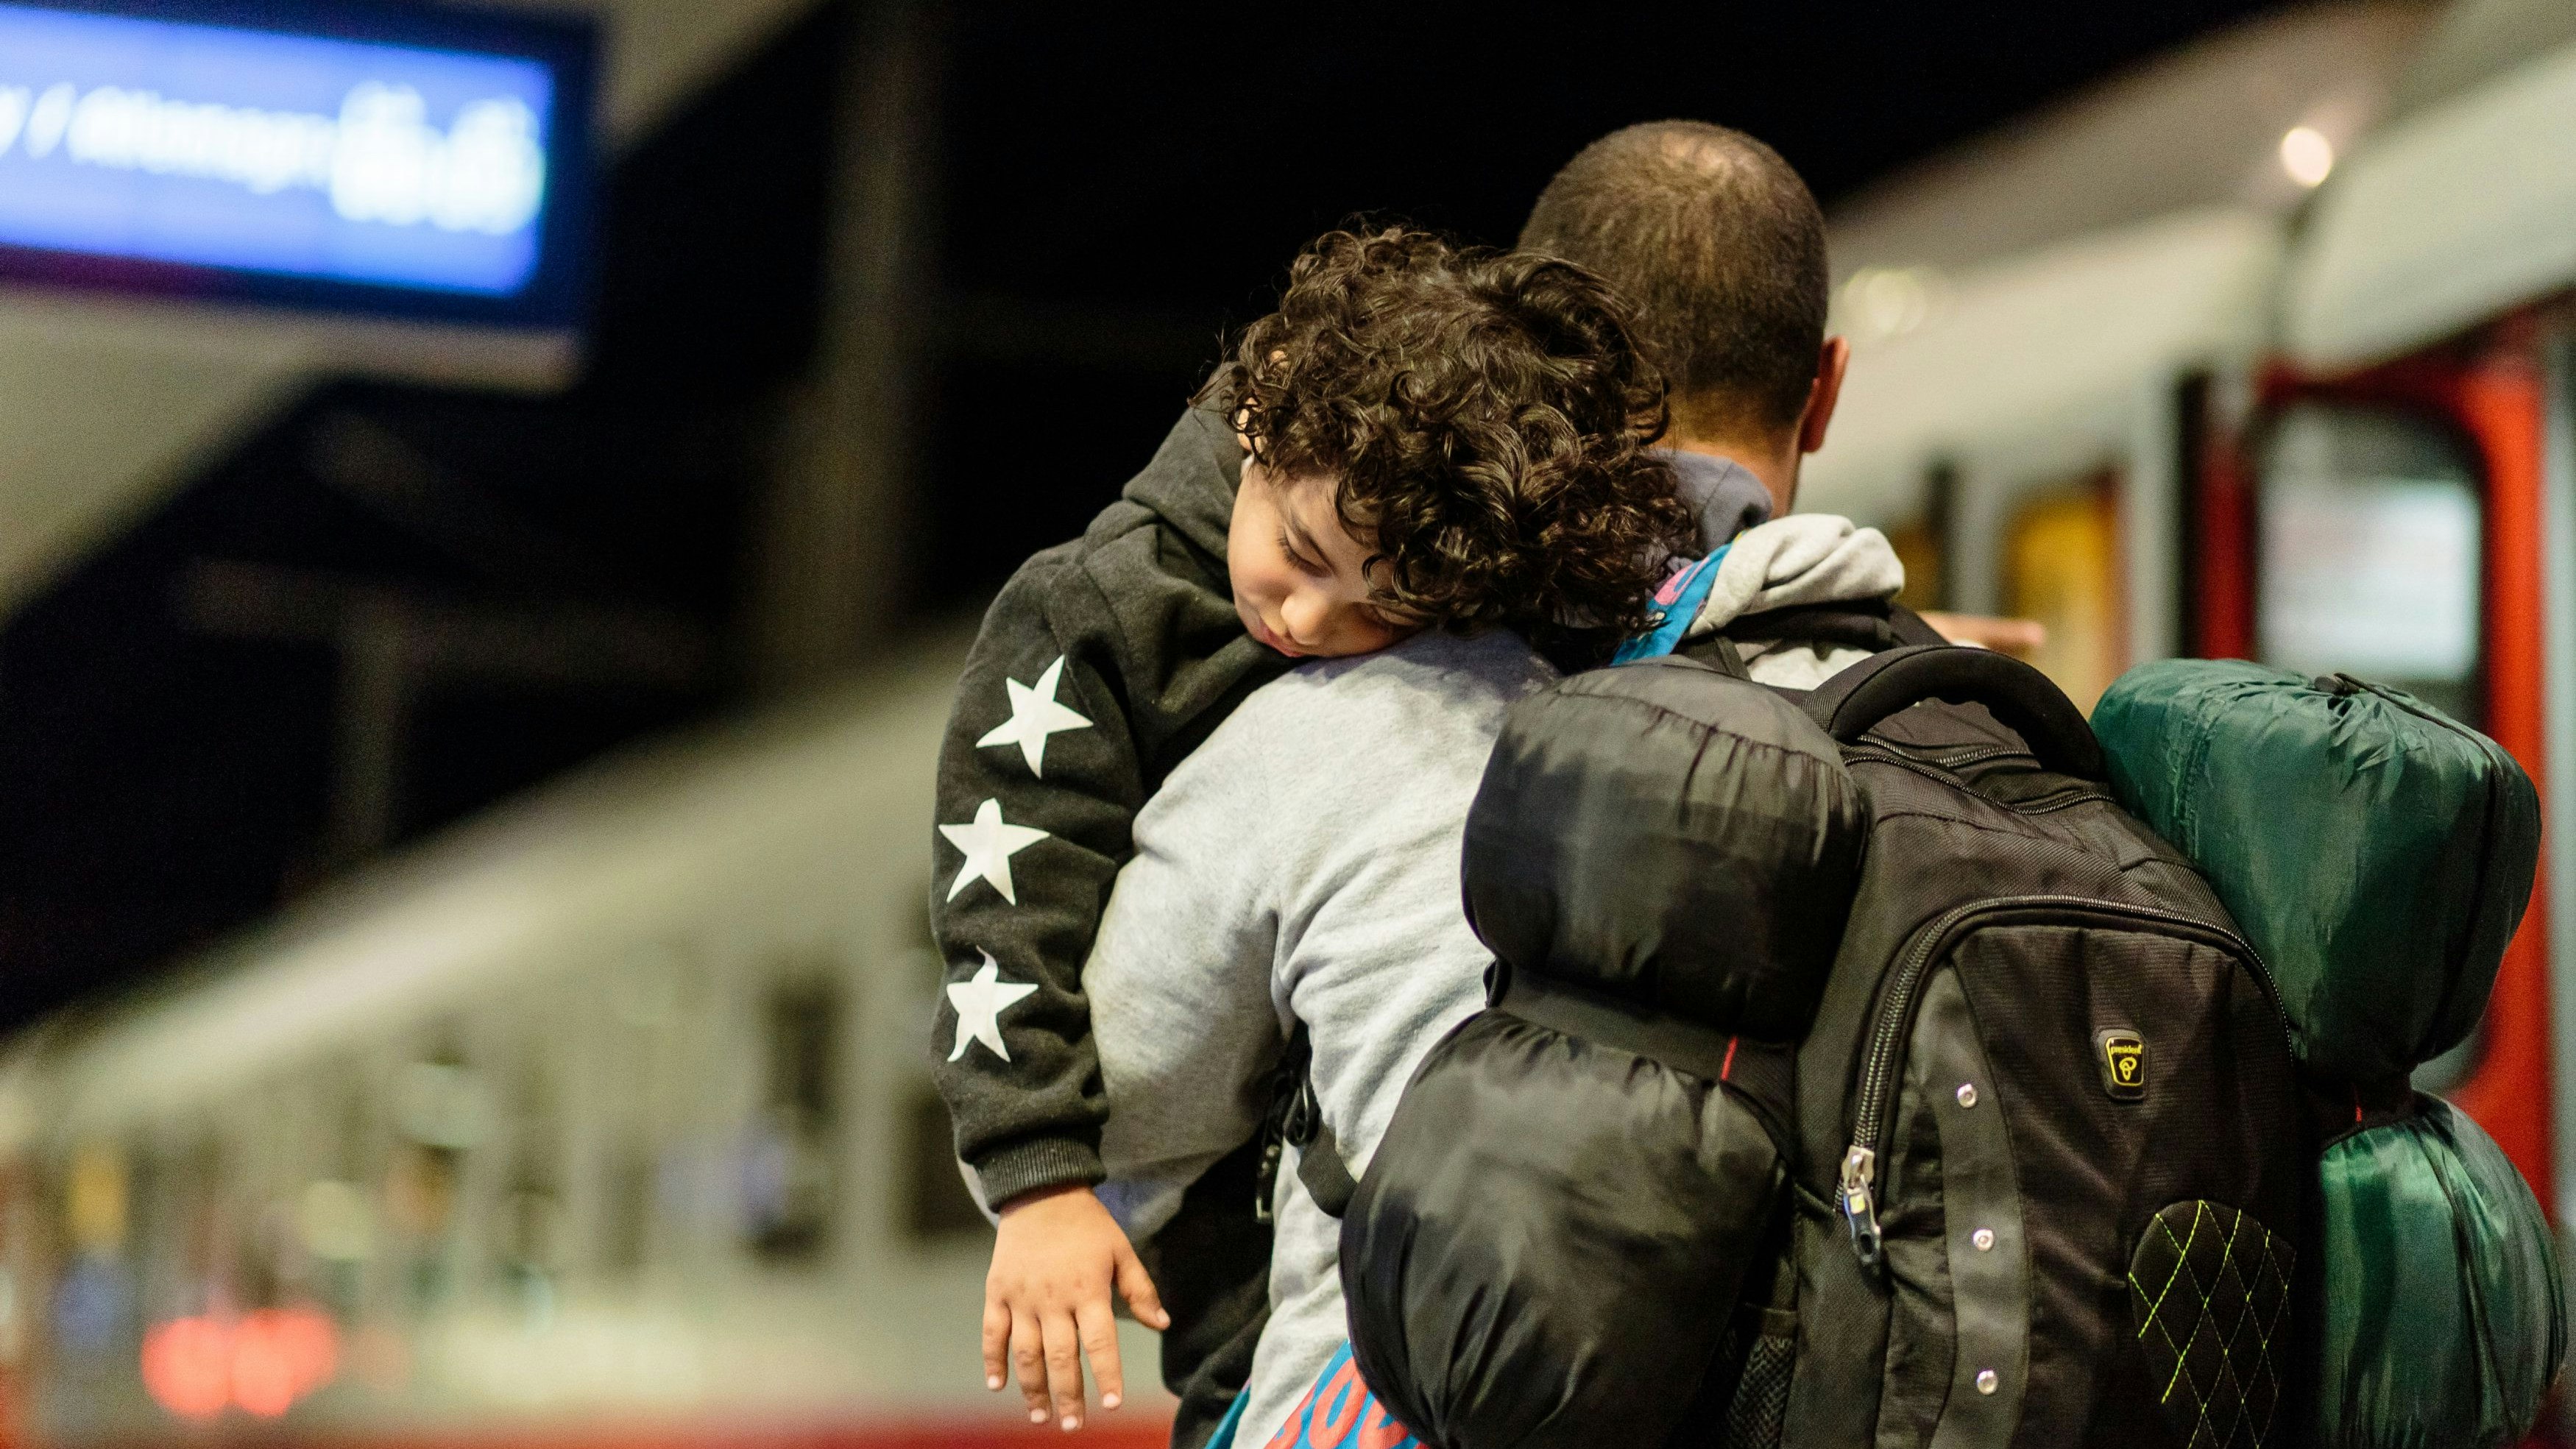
point(1873, 625)
point(1717, 652)
point(1296, 1119)
point(1910, 628)
point(1850, 623)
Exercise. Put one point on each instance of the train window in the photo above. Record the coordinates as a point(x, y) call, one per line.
point(937, 1203)
point(94, 1200)
point(443, 1105)
point(530, 1205)
point(94, 1300)
point(794, 1175)
point(2062, 568)
point(2368, 552)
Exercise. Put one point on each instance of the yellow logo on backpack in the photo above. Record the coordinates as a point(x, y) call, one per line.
point(2124, 1063)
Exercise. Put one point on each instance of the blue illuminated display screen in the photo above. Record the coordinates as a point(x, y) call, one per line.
point(358, 164)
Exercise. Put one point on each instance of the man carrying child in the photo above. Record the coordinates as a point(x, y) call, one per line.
point(1438, 440)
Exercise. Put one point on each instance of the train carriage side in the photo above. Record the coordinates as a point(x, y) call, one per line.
point(605, 1120)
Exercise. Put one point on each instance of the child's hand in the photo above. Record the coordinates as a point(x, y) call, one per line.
point(1046, 1300)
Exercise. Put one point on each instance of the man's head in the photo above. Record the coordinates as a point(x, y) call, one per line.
point(1721, 249)
point(1445, 437)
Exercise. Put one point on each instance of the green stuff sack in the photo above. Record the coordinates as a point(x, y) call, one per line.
point(2444, 1318)
point(2377, 852)
point(2379, 855)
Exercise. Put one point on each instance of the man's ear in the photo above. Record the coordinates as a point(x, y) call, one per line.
point(1823, 393)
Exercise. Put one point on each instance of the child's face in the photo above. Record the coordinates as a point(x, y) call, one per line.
point(1299, 584)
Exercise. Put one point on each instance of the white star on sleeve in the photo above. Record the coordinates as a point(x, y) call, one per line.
point(1035, 714)
point(980, 1003)
point(989, 842)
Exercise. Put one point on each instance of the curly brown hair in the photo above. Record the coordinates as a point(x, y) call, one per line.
point(1488, 419)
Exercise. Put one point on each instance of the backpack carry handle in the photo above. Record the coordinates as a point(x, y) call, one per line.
point(2021, 698)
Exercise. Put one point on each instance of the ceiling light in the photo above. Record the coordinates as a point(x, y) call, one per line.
point(2306, 155)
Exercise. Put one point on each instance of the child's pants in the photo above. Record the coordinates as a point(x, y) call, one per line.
point(1340, 1413)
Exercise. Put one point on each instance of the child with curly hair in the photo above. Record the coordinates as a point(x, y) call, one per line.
point(1423, 437)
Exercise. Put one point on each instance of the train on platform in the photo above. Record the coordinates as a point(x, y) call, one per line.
point(603, 1120)
point(606, 1119)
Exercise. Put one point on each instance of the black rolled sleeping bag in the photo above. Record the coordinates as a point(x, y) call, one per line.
point(1549, 1238)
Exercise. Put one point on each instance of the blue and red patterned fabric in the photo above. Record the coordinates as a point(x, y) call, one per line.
point(1341, 1413)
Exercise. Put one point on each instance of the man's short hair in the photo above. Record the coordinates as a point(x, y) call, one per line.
point(1719, 246)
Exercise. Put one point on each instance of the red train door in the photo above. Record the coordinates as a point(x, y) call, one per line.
point(2392, 522)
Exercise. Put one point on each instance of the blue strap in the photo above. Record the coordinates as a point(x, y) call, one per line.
point(1676, 604)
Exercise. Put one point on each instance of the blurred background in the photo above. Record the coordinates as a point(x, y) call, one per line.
point(482, 565)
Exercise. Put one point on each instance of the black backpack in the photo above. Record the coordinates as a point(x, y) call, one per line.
point(2053, 1170)
point(2048, 1169)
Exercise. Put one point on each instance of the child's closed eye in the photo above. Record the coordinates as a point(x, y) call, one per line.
point(1312, 568)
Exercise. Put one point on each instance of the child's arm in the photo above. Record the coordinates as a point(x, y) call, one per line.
point(1102, 661)
point(1039, 782)
point(1188, 1030)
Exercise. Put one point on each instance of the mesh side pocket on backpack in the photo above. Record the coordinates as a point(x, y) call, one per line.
point(1760, 1407)
point(2209, 1294)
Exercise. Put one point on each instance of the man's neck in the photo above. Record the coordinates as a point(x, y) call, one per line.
point(1774, 462)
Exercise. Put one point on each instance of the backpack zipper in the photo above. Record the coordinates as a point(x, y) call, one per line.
point(1858, 1184)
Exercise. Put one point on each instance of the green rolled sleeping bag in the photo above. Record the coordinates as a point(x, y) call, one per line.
point(2376, 851)
point(2379, 855)
point(2445, 1320)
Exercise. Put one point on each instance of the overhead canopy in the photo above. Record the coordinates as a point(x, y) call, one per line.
point(85, 419)
point(2448, 217)
point(2039, 364)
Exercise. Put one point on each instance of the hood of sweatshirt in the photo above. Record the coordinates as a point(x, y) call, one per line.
point(1806, 558)
point(1190, 482)
point(1724, 494)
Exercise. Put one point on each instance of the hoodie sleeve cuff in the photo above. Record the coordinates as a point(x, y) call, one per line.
point(1025, 1167)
